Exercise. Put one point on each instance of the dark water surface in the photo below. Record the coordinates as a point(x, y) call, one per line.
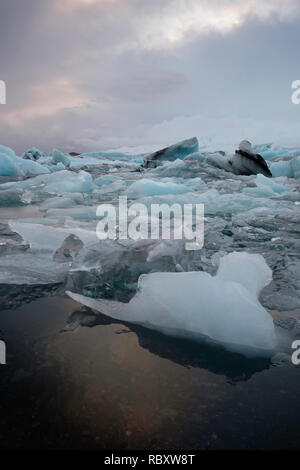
point(76, 381)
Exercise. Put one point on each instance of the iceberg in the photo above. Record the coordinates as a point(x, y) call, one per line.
point(266, 187)
point(151, 187)
point(179, 150)
point(7, 151)
point(281, 168)
point(58, 167)
point(223, 308)
point(31, 269)
point(63, 182)
point(59, 157)
point(32, 154)
point(11, 198)
point(62, 202)
point(30, 168)
point(46, 203)
point(289, 168)
point(11, 165)
point(69, 182)
point(245, 162)
point(295, 165)
point(219, 160)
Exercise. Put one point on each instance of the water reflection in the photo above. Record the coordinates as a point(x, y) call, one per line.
point(203, 355)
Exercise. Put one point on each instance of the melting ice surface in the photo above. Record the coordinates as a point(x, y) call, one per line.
point(224, 307)
point(48, 239)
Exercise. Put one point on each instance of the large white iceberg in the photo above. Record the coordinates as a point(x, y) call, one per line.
point(224, 308)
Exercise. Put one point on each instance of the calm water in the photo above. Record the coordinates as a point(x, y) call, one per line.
point(114, 386)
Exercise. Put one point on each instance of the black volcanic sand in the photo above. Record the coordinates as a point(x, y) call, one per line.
point(74, 380)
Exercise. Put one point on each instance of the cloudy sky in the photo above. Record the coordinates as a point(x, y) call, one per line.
point(96, 74)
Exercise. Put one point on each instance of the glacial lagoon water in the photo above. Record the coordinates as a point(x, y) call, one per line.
point(76, 378)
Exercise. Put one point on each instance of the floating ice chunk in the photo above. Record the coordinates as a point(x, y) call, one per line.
point(273, 151)
point(29, 167)
point(10, 197)
point(109, 184)
point(8, 151)
point(247, 163)
point(289, 168)
point(164, 248)
point(59, 167)
point(69, 182)
point(214, 202)
point(193, 156)
point(295, 164)
point(219, 160)
point(270, 151)
point(282, 168)
point(62, 202)
point(62, 182)
point(151, 187)
point(39, 237)
point(179, 150)
point(265, 187)
point(245, 146)
point(32, 154)
point(262, 180)
point(224, 308)
point(48, 239)
point(250, 270)
point(173, 163)
point(29, 268)
point(105, 180)
point(9, 166)
point(70, 247)
point(59, 157)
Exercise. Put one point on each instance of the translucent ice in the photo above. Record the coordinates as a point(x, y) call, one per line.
point(224, 308)
point(179, 150)
point(59, 157)
point(29, 167)
point(290, 168)
point(32, 154)
point(281, 168)
point(295, 164)
point(151, 187)
point(266, 187)
point(11, 165)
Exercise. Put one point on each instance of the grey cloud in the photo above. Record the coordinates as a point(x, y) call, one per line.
point(128, 88)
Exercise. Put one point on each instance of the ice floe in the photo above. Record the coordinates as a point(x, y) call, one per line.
point(224, 307)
